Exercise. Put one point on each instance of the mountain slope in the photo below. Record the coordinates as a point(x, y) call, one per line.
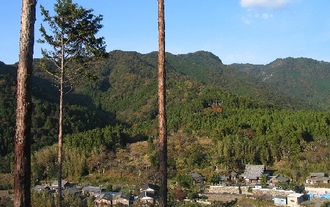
point(208, 68)
point(301, 77)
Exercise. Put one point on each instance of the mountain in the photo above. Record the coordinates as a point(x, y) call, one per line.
point(301, 77)
point(241, 113)
point(201, 66)
point(207, 68)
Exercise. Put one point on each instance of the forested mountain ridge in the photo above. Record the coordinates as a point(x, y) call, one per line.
point(203, 67)
point(210, 70)
point(302, 77)
point(246, 120)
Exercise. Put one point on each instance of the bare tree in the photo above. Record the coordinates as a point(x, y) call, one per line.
point(22, 163)
point(162, 105)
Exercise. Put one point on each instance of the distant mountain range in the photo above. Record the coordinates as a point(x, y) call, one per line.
point(304, 78)
point(290, 82)
point(204, 97)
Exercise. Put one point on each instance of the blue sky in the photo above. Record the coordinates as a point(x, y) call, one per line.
point(237, 31)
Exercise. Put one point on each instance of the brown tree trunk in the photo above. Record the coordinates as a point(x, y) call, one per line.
point(22, 161)
point(60, 131)
point(161, 106)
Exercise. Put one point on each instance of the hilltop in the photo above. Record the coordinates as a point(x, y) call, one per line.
point(218, 115)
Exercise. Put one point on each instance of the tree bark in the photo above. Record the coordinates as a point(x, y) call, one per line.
point(162, 106)
point(60, 130)
point(22, 161)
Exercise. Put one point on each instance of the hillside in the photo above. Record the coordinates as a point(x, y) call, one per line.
point(217, 116)
point(301, 77)
point(202, 67)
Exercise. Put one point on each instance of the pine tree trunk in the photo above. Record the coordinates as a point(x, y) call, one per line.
point(60, 131)
point(161, 106)
point(22, 162)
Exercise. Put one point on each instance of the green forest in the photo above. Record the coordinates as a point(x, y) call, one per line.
point(219, 116)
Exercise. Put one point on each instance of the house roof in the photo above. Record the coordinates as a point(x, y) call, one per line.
point(297, 195)
point(41, 187)
point(222, 178)
point(149, 186)
point(253, 172)
point(73, 190)
point(317, 174)
point(196, 176)
point(112, 196)
point(280, 178)
point(320, 178)
point(120, 195)
point(103, 196)
point(91, 189)
point(233, 174)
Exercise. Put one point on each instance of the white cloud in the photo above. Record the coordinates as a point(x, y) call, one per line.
point(264, 3)
point(246, 20)
point(266, 16)
point(249, 18)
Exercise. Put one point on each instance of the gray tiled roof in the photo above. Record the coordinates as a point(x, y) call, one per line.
point(253, 172)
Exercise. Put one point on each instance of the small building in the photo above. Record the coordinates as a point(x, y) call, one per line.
point(197, 178)
point(278, 179)
point(103, 200)
point(233, 176)
point(317, 178)
point(295, 199)
point(121, 198)
point(112, 198)
point(253, 173)
point(280, 201)
point(151, 188)
point(73, 190)
point(222, 179)
point(146, 197)
point(40, 188)
point(65, 185)
point(91, 190)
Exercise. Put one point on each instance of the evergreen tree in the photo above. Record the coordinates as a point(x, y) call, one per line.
point(73, 42)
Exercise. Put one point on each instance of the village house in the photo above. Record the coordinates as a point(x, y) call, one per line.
point(39, 188)
point(146, 197)
point(253, 173)
point(113, 198)
point(295, 199)
point(222, 179)
point(149, 188)
point(65, 185)
point(91, 190)
point(103, 200)
point(121, 198)
point(197, 178)
point(233, 176)
point(73, 190)
point(317, 178)
point(275, 180)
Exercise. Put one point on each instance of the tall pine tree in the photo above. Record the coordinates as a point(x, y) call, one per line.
point(73, 44)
